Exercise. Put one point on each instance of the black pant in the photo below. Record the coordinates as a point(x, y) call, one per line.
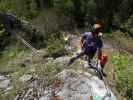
point(78, 55)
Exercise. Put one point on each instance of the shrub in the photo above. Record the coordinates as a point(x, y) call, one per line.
point(129, 24)
point(55, 45)
point(124, 72)
point(4, 37)
point(23, 8)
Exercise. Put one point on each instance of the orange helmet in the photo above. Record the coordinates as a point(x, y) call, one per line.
point(98, 24)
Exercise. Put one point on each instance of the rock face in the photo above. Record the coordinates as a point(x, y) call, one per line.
point(4, 82)
point(62, 60)
point(68, 84)
point(71, 85)
point(25, 78)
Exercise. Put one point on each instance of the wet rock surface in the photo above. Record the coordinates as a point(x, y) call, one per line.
point(25, 78)
point(4, 82)
point(72, 85)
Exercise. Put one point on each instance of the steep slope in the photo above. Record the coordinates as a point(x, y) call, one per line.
point(73, 85)
point(77, 82)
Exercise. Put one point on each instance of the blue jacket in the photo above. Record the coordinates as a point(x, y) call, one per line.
point(91, 43)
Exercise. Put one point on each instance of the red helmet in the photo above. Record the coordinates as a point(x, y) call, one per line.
point(98, 24)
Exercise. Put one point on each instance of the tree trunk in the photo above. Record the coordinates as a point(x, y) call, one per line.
point(43, 3)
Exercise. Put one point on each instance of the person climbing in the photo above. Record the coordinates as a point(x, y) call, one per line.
point(90, 42)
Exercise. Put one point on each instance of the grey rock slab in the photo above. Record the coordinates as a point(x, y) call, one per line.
point(2, 78)
point(77, 86)
point(62, 60)
point(5, 83)
point(25, 78)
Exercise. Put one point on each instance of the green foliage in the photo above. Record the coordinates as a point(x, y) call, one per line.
point(2, 30)
point(124, 72)
point(4, 37)
point(64, 4)
point(33, 8)
point(81, 10)
point(106, 7)
point(11, 52)
point(25, 8)
point(78, 9)
point(49, 69)
point(55, 44)
point(121, 40)
point(125, 9)
point(84, 7)
point(129, 24)
point(122, 62)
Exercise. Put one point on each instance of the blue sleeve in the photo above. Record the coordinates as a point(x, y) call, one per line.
point(99, 44)
point(83, 35)
point(86, 34)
